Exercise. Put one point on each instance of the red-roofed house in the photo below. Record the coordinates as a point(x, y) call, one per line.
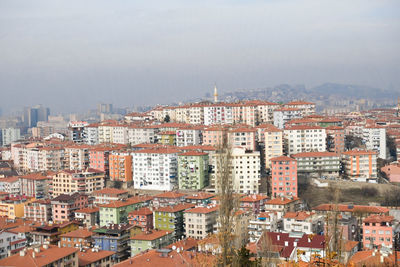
point(168, 198)
point(150, 240)
point(106, 195)
point(264, 221)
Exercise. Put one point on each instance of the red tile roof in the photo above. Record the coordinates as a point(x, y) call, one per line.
point(300, 216)
point(203, 210)
point(175, 208)
point(44, 257)
point(375, 218)
point(352, 208)
point(253, 198)
point(315, 154)
point(141, 211)
point(152, 235)
point(89, 257)
point(170, 194)
point(110, 191)
point(200, 195)
point(79, 233)
point(282, 158)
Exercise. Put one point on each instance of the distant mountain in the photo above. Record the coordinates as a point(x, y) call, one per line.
point(352, 91)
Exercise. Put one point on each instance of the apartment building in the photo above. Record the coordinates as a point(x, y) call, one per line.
point(214, 135)
point(306, 108)
point(9, 135)
point(264, 221)
point(86, 181)
point(14, 207)
point(200, 221)
point(99, 158)
point(117, 211)
point(303, 222)
point(245, 168)
point(272, 139)
point(284, 176)
point(77, 157)
point(335, 139)
point(242, 137)
point(10, 185)
point(318, 164)
point(50, 159)
point(11, 243)
point(193, 170)
point(142, 134)
point(107, 195)
point(142, 217)
point(168, 199)
point(283, 115)
point(218, 114)
point(77, 238)
point(34, 185)
point(378, 231)
point(76, 131)
point(64, 206)
point(304, 139)
point(38, 210)
point(154, 239)
point(189, 136)
point(360, 164)
point(114, 237)
point(91, 134)
point(375, 140)
point(253, 203)
point(245, 113)
point(89, 216)
point(266, 112)
point(155, 169)
point(120, 166)
point(171, 218)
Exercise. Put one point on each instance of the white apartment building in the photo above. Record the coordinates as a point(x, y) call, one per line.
point(375, 140)
point(120, 134)
point(265, 221)
point(9, 135)
point(77, 157)
point(196, 114)
point(141, 134)
point(304, 138)
point(91, 134)
point(189, 136)
point(283, 115)
point(11, 243)
point(307, 108)
point(318, 164)
point(155, 169)
point(245, 170)
point(200, 221)
point(302, 221)
point(218, 114)
point(10, 185)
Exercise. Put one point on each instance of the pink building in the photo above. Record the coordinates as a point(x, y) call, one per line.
point(377, 231)
point(214, 135)
point(337, 135)
point(243, 137)
point(38, 210)
point(64, 206)
point(34, 185)
point(284, 176)
point(142, 217)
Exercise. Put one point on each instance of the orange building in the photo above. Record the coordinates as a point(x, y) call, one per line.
point(360, 164)
point(121, 167)
point(79, 237)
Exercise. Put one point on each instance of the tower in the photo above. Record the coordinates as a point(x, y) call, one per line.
point(215, 93)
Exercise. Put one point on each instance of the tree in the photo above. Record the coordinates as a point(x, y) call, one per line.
point(167, 118)
point(243, 257)
point(227, 203)
point(117, 184)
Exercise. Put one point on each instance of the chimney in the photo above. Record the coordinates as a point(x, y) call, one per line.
point(59, 244)
point(381, 259)
point(278, 237)
point(22, 253)
point(33, 255)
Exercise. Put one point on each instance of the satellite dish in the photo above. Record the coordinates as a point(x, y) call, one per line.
point(173, 247)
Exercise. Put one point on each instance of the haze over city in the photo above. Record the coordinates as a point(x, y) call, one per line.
point(70, 55)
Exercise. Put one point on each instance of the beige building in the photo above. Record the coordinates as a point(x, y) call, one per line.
point(200, 221)
point(68, 182)
point(273, 144)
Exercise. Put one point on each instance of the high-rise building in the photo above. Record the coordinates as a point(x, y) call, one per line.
point(9, 135)
point(284, 176)
point(32, 115)
point(104, 108)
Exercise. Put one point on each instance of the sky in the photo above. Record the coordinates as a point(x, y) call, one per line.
point(71, 55)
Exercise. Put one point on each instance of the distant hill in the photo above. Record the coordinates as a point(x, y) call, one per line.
point(353, 91)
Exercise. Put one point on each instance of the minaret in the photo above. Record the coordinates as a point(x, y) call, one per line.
point(215, 93)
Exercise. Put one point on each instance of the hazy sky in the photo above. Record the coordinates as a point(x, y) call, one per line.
point(73, 54)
